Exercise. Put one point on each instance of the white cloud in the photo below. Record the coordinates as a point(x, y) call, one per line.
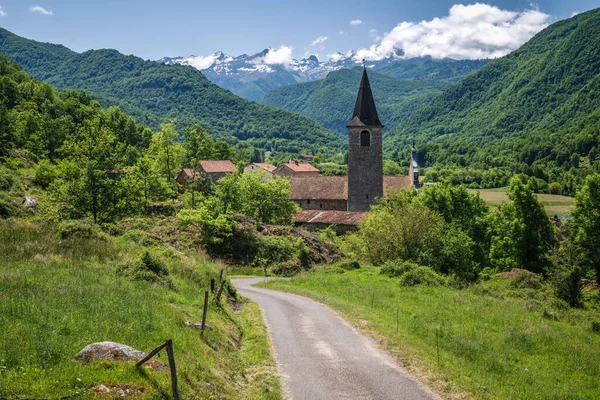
point(280, 56)
point(341, 33)
point(200, 62)
point(574, 13)
point(355, 22)
point(41, 10)
point(316, 46)
point(472, 31)
point(2, 12)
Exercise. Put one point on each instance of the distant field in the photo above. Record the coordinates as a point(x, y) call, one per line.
point(554, 204)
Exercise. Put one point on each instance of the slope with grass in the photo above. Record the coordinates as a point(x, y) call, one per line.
point(535, 110)
point(61, 290)
point(427, 68)
point(155, 93)
point(330, 101)
point(497, 339)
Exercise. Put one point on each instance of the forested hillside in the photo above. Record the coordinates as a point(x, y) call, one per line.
point(154, 93)
point(428, 68)
point(536, 111)
point(330, 101)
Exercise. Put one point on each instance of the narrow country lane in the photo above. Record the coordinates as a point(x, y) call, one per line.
point(322, 357)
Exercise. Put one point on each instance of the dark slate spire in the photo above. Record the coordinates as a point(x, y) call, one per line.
point(365, 104)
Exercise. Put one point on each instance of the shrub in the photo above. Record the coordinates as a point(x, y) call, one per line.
point(566, 281)
point(286, 269)
point(147, 268)
point(303, 256)
point(78, 229)
point(139, 237)
point(6, 179)
point(45, 173)
point(347, 265)
point(422, 276)
point(112, 229)
point(525, 280)
point(596, 326)
point(6, 207)
point(397, 268)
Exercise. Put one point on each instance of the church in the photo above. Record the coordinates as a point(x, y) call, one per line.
point(327, 200)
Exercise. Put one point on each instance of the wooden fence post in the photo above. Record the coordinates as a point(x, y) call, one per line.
point(204, 312)
point(220, 290)
point(173, 370)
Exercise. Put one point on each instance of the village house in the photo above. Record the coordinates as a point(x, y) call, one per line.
point(265, 168)
point(216, 169)
point(295, 169)
point(185, 175)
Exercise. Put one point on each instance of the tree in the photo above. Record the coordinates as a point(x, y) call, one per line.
point(86, 183)
point(521, 232)
point(166, 154)
point(198, 145)
point(222, 151)
point(586, 219)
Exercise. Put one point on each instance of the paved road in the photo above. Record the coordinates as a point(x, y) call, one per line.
point(322, 357)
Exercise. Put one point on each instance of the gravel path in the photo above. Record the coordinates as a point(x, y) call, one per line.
point(322, 357)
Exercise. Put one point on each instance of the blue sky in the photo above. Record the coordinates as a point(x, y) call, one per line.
point(153, 29)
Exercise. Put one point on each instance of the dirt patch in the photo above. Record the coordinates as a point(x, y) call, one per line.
point(513, 273)
point(119, 390)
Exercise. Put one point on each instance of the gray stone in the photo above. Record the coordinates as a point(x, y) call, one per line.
point(112, 351)
point(30, 203)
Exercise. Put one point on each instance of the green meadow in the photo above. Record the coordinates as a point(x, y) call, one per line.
point(491, 340)
point(553, 203)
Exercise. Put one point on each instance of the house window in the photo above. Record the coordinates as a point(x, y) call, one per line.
point(307, 201)
point(321, 205)
point(367, 196)
point(365, 139)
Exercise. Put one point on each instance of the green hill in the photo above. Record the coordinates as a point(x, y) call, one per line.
point(154, 93)
point(536, 110)
point(428, 68)
point(330, 101)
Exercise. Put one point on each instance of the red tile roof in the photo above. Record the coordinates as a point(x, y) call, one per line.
point(329, 217)
point(336, 187)
point(209, 166)
point(300, 167)
point(266, 166)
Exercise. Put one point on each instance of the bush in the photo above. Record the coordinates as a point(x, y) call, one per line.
point(422, 276)
point(347, 265)
point(566, 281)
point(147, 268)
point(45, 173)
point(78, 229)
point(6, 207)
point(112, 229)
point(397, 268)
point(596, 326)
point(525, 280)
point(6, 179)
point(286, 269)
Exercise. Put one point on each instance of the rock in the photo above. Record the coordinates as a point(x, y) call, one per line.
point(30, 203)
point(112, 351)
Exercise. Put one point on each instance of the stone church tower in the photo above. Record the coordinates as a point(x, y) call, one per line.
point(365, 151)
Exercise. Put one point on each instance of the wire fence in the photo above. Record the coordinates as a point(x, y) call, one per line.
point(450, 348)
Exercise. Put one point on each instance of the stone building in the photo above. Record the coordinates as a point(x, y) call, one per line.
point(295, 169)
point(265, 168)
point(216, 169)
point(365, 151)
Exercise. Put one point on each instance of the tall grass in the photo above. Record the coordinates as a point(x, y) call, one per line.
point(490, 346)
point(57, 296)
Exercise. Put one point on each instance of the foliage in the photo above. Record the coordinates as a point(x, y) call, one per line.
point(78, 229)
point(148, 268)
point(521, 232)
point(422, 276)
point(347, 265)
point(586, 220)
point(397, 268)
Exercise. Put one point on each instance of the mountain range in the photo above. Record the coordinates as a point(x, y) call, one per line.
point(253, 76)
point(154, 93)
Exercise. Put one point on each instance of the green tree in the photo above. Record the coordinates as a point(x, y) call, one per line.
point(586, 219)
point(522, 234)
point(86, 183)
point(198, 145)
point(166, 154)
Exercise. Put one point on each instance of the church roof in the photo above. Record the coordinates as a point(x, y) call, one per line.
point(364, 109)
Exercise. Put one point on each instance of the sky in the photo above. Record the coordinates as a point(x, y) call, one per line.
point(375, 28)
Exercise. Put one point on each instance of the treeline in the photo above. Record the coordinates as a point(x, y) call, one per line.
point(446, 230)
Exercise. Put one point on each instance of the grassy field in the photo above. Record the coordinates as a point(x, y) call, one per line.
point(554, 204)
point(58, 295)
point(487, 341)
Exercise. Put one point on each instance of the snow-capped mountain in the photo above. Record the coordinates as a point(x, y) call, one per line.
point(251, 76)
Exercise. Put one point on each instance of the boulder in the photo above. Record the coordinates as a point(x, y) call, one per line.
point(30, 203)
point(112, 351)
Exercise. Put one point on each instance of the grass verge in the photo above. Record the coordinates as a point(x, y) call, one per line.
point(484, 342)
point(58, 295)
